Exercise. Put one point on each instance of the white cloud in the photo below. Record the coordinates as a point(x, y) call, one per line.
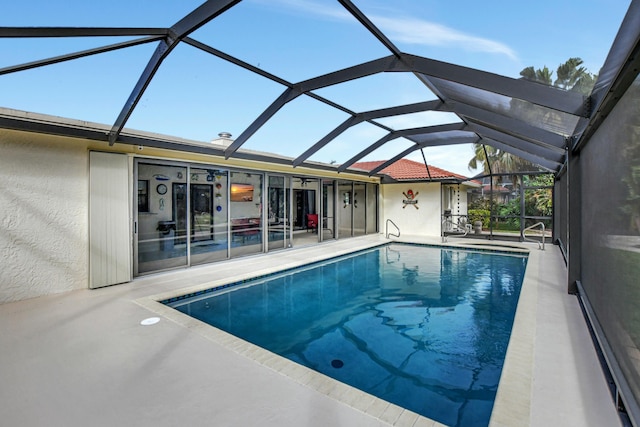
point(420, 32)
point(325, 10)
point(405, 29)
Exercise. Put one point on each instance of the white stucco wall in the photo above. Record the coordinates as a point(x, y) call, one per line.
point(43, 215)
point(424, 221)
point(455, 197)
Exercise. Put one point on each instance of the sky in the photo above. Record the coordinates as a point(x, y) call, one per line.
point(196, 96)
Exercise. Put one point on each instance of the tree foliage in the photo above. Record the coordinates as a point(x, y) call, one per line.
point(540, 199)
point(538, 202)
point(498, 161)
point(570, 75)
point(630, 168)
point(541, 75)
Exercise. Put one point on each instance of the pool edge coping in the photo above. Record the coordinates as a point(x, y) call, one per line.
point(512, 405)
point(509, 406)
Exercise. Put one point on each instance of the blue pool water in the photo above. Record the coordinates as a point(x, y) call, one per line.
point(423, 327)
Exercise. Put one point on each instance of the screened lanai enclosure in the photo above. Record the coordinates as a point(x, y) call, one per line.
point(325, 84)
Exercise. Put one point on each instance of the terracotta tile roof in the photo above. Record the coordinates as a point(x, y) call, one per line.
point(405, 169)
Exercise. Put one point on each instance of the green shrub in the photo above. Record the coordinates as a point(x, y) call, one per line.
point(479, 203)
point(511, 209)
point(479, 215)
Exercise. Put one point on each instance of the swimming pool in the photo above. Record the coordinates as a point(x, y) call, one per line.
point(423, 327)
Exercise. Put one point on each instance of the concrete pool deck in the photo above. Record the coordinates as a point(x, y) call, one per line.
point(83, 358)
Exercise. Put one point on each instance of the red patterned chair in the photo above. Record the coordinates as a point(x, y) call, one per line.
point(312, 222)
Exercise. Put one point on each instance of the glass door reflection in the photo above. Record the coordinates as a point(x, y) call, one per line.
point(278, 218)
point(245, 200)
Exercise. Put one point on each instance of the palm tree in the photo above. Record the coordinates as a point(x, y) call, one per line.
point(540, 75)
point(479, 158)
point(498, 162)
point(570, 75)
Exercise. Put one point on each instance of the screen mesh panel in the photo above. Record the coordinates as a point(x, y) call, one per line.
point(610, 191)
point(536, 115)
point(560, 211)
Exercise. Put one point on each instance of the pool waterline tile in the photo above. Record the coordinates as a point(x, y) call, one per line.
point(249, 278)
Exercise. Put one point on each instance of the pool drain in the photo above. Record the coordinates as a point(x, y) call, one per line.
point(337, 363)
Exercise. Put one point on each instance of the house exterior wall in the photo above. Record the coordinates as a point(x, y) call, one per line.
point(44, 207)
point(420, 219)
point(464, 200)
point(43, 215)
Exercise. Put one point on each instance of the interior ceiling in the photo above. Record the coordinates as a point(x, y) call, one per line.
point(535, 122)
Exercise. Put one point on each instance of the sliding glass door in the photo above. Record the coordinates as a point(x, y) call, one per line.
point(245, 207)
point(193, 214)
point(372, 208)
point(189, 214)
point(278, 212)
point(305, 219)
point(359, 208)
point(345, 215)
point(159, 222)
point(328, 210)
point(209, 215)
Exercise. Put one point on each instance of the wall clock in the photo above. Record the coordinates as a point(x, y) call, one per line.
point(161, 189)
